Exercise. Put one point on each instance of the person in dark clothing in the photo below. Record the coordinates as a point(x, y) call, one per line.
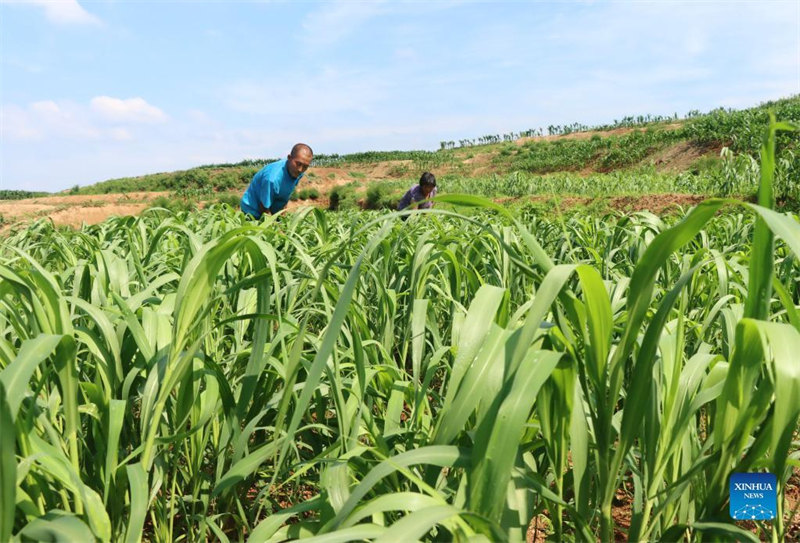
point(420, 194)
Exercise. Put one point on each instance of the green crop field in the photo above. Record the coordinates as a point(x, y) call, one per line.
point(352, 376)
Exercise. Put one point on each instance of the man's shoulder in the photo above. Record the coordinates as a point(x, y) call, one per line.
point(275, 170)
point(278, 165)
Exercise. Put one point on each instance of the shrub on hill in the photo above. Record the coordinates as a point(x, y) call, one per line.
point(380, 196)
point(174, 204)
point(343, 197)
point(308, 194)
point(20, 194)
point(229, 198)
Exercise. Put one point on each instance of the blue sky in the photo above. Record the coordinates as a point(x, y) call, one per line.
point(112, 88)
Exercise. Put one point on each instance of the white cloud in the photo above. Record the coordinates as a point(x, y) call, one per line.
point(399, 75)
point(68, 120)
point(64, 12)
point(15, 125)
point(46, 108)
point(135, 110)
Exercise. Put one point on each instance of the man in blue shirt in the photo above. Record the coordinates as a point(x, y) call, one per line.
point(271, 186)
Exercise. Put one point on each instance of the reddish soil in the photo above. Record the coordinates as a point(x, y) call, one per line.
point(657, 203)
point(791, 507)
point(74, 210)
point(76, 216)
point(680, 157)
point(539, 527)
point(325, 178)
point(295, 205)
point(94, 198)
point(482, 164)
point(22, 208)
point(386, 170)
point(32, 207)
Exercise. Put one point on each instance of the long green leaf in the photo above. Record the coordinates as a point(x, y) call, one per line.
point(8, 468)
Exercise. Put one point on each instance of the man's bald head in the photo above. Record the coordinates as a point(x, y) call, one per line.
point(301, 148)
point(299, 159)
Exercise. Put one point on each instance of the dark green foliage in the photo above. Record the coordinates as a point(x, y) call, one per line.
point(174, 204)
point(225, 180)
point(743, 130)
point(222, 179)
point(246, 174)
point(575, 154)
point(229, 198)
point(20, 194)
point(420, 160)
point(343, 197)
point(380, 196)
point(197, 177)
point(707, 164)
point(193, 193)
point(308, 194)
point(254, 164)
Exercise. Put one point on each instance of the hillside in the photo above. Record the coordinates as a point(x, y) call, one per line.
point(669, 160)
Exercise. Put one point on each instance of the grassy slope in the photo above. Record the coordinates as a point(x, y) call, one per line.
point(620, 149)
point(633, 164)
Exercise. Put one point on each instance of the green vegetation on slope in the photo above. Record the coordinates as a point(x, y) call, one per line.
point(203, 178)
point(740, 131)
point(20, 194)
